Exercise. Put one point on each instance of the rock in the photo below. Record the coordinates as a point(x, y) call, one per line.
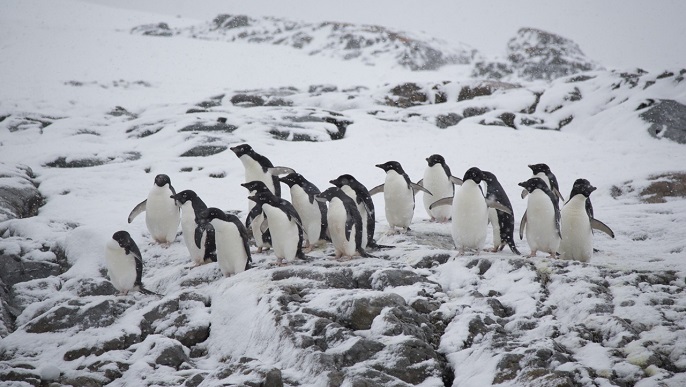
point(245, 100)
point(667, 119)
point(77, 314)
point(508, 367)
point(406, 95)
point(447, 120)
point(19, 195)
point(361, 311)
point(475, 111)
point(360, 350)
point(172, 355)
point(218, 126)
point(119, 111)
point(204, 150)
point(159, 29)
point(383, 279)
point(94, 161)
point(413, 361)
point(495, 70)
point(124, 341)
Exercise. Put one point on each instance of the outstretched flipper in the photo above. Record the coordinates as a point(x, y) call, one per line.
point(600, 226)
point(277, 171)
point(140, 208)
point(496, 205)
point(442, 202)
point(376, 190)
point(416, 188)
point(456, 180)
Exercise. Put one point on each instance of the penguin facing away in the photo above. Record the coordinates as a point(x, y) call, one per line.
point(577, 223)
point(399, 193)
point(313, 213)
point(230, 241)
point(161, 211)
point(502, 222)
point(542, 218)
point(124, 263)
point(359, 193)
point(438, 180)
point(257, 167)
point(345, 223)
point(255, 219)
point(470, 212)
point(191, 208)
point(284, 224)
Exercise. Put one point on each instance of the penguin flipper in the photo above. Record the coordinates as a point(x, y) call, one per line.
point(600, 226)
point(456, 180)
point(441, 202)
point(417, 187)
point(558, 194)
point(421, 182)
point(140, 207)
point(524, 193)
point(198, 236)
point(522, 224)
point(376, 190)
point(276, 171)
point(264, 226)
point(494, 204)
point(210, 245)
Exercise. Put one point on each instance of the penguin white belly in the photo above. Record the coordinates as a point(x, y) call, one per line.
point(257, 233)
point(436, 181)
point(161, 215)
point(399, 201)
point(254, 172)
point(188, 231)
point(284, 233)
point(336, 218)
point(470, 217)
point(577, 236)
point(363, 212)
point(493, 218)
point(121, 268)
point(541, 233)
point(231, 255)
point(309, 213)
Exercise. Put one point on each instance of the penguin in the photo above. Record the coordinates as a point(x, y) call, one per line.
point(124, 263)
point(577, 223)
point(502, 222)
point(257, 168)
point(438, 180)
point(398, 195)
point(359, 193)
point(161, 211)
point(543, 171)
point(345, 223)
point(230, 240)
point(263, 238)
point(312, 212)
point(284, 224)
point(191, 208)
point(542, 218)
point(470, 212)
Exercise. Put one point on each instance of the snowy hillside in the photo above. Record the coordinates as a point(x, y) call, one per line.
point(93, 107)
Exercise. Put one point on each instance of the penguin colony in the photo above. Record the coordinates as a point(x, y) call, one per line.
point(348, 221)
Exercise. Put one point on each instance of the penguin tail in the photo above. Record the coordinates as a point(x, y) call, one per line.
point(511, 243)
point(300, 255)
point(147, 292)
point(365, 254)
point(373, 245)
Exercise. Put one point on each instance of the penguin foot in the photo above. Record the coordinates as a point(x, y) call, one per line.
point(533, 254)
point(307, 249)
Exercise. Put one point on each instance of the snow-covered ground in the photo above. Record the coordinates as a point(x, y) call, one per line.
point(72, 62)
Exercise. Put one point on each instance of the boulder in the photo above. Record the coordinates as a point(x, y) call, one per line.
point(667, 119)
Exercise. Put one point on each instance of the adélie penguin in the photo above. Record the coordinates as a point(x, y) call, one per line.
point(470, 212)
point(399, 194)
point(501, 221)
point(312, 212)
point(191, 208)
point(124, 263)
point(542, 218)
point(161, 211)
point(257, 168)
point(543, 171)
point(577, 223)
point(230, 240)
point(284, 224)
point(255, 218)
point(441, 183)
point(360, 194)
point(344, 222)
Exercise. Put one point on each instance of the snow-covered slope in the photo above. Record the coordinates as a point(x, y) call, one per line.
point(83, 134)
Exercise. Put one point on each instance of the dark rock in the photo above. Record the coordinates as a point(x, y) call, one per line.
point(320, 89)
point(396, 277)
point(77, 313)
point(14, 270)
point(430, 261)
point(225, 21)
point(212, 102)
point(119, 111)
point(247, 100)
point(482, 264)
point(667, 119)
point(19, 195)
point(61, 162)
point(172, 355)
point(508, 367)
point(469, 92)
point(664, 186)
point(273, 378)
point(564, 122)
point(361, 350)
point(508, 119)
point(195, 380)
point(406, 321)
point(363, 310)
point(218, 126)
point(204, 150)
point(414, 361)
point(118, 343)
point(156, 313)
point(492, 69)
point(97, 286)
point(498, 308)
point(20, 375)
point(407, 95)
point(159, 29)
point(29, 122)
point(447, 120)
point(474, 111)
point(339, 279)
point(195, 110)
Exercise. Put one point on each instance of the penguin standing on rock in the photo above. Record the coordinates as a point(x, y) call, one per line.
point(502, 222)
point(124, 263)
point(191, 208)
point(399, 194)
point(359, 193)
point(263, 238)
point(284, 224)
point(542, 218)
point(577, 223)
point(345, 223)
point(161, 211)
point(230, 240)
point(312, 212)
point(438, 180)
point(257, 168)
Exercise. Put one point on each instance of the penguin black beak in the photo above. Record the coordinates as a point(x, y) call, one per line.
point(253, 198)
point(379, 166)
point(522, 184)
point(319, 199)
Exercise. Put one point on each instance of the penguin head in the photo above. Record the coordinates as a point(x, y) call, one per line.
point(208, 214)
point(243, 149)
point(327, 195)
point(538, 168)
point(391, 166)
point(292, 179)
point(184, 196)
point(255, 186)
point(435, 159)
point(262, 197)
point(534, 183)
point(122, 238)
point(343, 180)
point(161, 180)
point(474, 174)
point(583, 187)
point(488, 177)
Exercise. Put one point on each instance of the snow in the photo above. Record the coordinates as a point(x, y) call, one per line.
point(77, 60)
